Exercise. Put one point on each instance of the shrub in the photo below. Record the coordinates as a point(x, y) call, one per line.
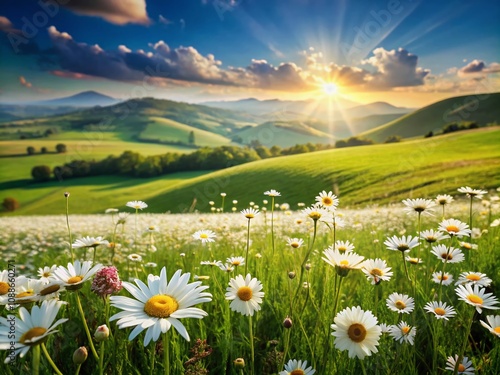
point(30, 150)
point(10, 204)
point(61, 148)
point(41, 173)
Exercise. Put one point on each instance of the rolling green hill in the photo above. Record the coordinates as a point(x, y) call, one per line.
point(364, 175)
point(481, 108)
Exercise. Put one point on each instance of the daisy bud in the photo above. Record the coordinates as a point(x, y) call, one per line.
point(80, 355)
point(291, 275)
point(287, 323)
point(239, 363)
point(101, 333)
point(308, 266)
point(66, 194)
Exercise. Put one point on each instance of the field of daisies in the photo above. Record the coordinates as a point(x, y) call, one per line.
point(255, 288)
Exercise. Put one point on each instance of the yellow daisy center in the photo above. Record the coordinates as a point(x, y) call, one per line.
point(297, 371)
point(28, 293)
point(161, 306)
point(244, 293)
point(497, 330)
point(74, 279)
point(405, 330)
point(357, 332)
point(461, 368)
point(31, 334)
point(475, 299)
point(443, 277)
point(473, 277)
point(249, 216)
point(467, 246)
point(151, 228)
point(294, 245)
point(452, 228)
point(327, 201)
point(376, 272)
point(203, 235)
point(315, 215)
point(403, 247)
point(50, 289)
point(439, 311)
point(342, 249)
point(236, 263)
point(413, 260)
point(46, 274)
point(446, 256)
point(344, 263)
point(400, 304)
point(4, 288)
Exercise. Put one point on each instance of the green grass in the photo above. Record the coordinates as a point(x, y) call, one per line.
point(482, 109)
point(169, 130)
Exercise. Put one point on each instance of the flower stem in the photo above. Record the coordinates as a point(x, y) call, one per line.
point(252, 353)
point(69, 230)
point(101, 359)
point(49, 359)
point(337, 297)
point(248, 246)
point(466, 340)
point(87, 331)
point(272, 223)
point(362, 366)
point(35, 369)
point(302, 267)
point(406, 268)
point(166, 354)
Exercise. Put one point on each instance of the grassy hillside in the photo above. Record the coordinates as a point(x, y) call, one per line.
point(163, 129)
point(482, 109)
point(361, 175)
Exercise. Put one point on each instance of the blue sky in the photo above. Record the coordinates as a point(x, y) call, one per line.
point(406, 52)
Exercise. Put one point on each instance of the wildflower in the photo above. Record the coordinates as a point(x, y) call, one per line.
point(444, 199)
point(135, 258)
point(419, 205)
point(440, 310)
point(403, 332)
point(89, 242)
point(122, 218)
point(315, 212)
point(245, 294)
point(250, 213)
point(448, 254)
point(150, 265)
point(160, 304)
point(412, 260)
point(294, 367)
point(80, 355)
point(46, 273)
point(101, 333)
point(472, 193)
point(151, 229)
point(344, 246)
point(239, 363)
point(343, 262)
point(400, 303)
point(494, 324)
point(376, 270)
point(106, 282)
point(442, 278)
point(476, 297)
point(432, 236)
point(31, 328)
point(327, 200)
point(272, 193)
point(468, 246)
point(211, 263)
point(463, 367)
point(138, 205)
point(76, 274)
point(402, 244)
point(475, 278)
point(111, 210)
point(357, 331)
point(236, 261)
point(204, 236)
point(226, 267)
point(295, 242)
point(454, 228)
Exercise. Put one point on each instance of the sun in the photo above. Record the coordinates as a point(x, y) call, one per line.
point(330, 88)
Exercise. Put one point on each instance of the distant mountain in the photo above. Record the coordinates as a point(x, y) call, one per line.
point(376, 108)
point(482, 109)
point(83, 99)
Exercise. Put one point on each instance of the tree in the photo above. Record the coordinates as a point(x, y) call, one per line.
point(10, 204)
point(191, 139)
point(30, 150)
point(393, 139)
point(61, 148)
point(43, 150)
point(41, 173)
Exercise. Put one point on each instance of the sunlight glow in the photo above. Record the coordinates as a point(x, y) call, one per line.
point(330, 88)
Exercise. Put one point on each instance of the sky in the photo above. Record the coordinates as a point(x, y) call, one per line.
point(406, 52)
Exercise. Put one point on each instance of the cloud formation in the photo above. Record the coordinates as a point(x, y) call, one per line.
point(478, 66)
point(119, 12)
point(24, 82)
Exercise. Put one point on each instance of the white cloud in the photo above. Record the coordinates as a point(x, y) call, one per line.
point(119, 12)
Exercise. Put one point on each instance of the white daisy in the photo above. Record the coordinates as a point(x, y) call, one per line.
point(440, 310)
point(295, 242)
point(25, 291)
point(419, 205)
point(245, 294)
point(464, 366)
point(403, 332)
point(236, 261)
point(493, 324)
point(4, 283)
point(376, 270)
point(226, 267)
point(476, 278)
point(89, 242)
point(294, 367)
point(444, 199)
point(46, 273)
point(404, 243)
point(454, 228)
point(357, 331)
point(442, 278)
point(327, 200)
point(138, 205)
point(472, 193)
point(448, 254)
point(413, 260)
point(432, 236)
point(400, 303)
point(134, 258)
point(315, 212)
point(250, 213)
point(76, 274)
point(344, 246)
point(159, 305)
point(343, 262)
point(212, 263)
point(272, 193)
point(31, 327)
point(476, 297)
point(204, 236)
